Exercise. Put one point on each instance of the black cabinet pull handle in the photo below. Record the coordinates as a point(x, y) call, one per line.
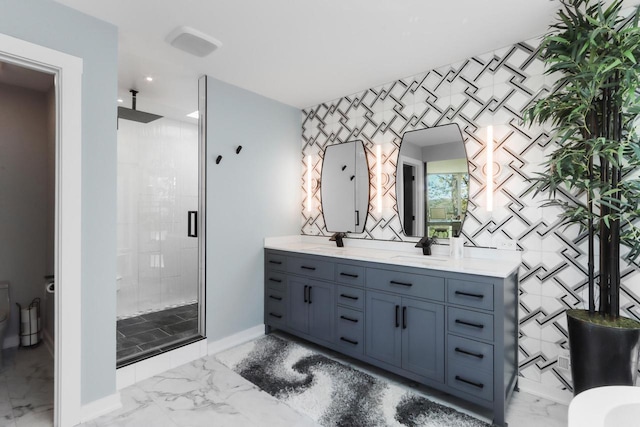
point(467, 294)
point(275, 297)
point(348, 340)
point(277, 316)
point(473, 325)
point(271, 279)
point(305, 293)
point(355, 276)
point(192, 224)
point(397, 320)
point(357, 217)
point(275, 262)
point(473, 383)
point(349, 297)
point(310, 287)
point(350, 319)
point(404, 317)
point(393, 282)
point(470, 353)
point(305, 267)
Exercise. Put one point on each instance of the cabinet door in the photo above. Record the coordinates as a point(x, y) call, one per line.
point(383, 332)
point(320, 301)
point(423, 338)
point(297, 307)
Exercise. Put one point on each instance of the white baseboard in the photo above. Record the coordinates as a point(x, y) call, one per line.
point(100, 407)
point(236, 339)
point(550, 393)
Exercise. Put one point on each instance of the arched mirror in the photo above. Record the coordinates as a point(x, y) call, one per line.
point(432, 182)
point(344, 187)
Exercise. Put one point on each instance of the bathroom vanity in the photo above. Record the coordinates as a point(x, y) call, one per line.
point(450, 324)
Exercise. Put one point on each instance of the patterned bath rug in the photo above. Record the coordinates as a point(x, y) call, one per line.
point(333, 394)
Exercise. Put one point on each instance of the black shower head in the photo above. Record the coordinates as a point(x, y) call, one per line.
point(136, 115)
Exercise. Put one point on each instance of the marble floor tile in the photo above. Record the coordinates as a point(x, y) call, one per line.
point(526, 410)
point(26, 388)
point(207, 393)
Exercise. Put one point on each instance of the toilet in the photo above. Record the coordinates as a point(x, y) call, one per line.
point(5, 310)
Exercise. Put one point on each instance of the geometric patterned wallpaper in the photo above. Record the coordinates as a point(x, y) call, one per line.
point(489, 89)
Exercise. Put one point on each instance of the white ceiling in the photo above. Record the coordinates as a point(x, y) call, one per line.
point(304, 52)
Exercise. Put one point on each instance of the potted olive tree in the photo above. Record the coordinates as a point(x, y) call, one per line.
point(593, 174)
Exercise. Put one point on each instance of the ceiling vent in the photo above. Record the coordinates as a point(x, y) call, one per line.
point(193, 41)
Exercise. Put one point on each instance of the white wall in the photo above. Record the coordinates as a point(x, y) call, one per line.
point(24, 213)
point(157, 185)
point(250, 195)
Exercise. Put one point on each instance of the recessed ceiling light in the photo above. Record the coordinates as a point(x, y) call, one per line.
point(149, 78)
point(120, 100)
point(194, 115)
point(193, 41)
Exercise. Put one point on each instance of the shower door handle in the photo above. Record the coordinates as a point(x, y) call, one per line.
point(192, 224)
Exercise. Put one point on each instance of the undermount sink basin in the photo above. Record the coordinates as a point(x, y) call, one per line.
point(425, 259)
point(328, 250)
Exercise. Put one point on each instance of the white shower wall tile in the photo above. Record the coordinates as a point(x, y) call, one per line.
point(159, 161)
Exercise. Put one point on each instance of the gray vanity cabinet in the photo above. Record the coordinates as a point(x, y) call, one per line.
point(406, 333)
point(383, 333)
point(423, 338)
point(310, 307)
point(452, 331)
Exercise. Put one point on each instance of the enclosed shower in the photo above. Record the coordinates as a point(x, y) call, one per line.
point(159, 237)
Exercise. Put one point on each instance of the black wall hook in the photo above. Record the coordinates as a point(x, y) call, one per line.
point(238, 149)
point(218, 159)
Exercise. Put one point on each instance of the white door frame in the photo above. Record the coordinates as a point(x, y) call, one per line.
point(67, 70)
point(418, 192)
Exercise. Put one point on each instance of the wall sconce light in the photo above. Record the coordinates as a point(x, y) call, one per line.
point(309, 196)
point(489, 169)
point(379, 178)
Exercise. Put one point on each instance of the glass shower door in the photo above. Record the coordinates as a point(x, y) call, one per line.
point(160, 236)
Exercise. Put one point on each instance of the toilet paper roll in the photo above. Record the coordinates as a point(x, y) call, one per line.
point(50, 288)
point(456, 247)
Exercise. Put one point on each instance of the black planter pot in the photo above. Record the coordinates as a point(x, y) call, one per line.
point(601, 355)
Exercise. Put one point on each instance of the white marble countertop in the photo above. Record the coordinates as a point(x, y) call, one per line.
point(480, 261)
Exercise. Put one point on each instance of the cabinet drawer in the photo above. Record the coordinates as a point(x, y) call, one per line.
point(311, 268)
point(351, 297)
point(350, 274)
point(470, 323)
point(275, 308)
point(276, 262)
point(274, 297)
point(469, 380)
point(416, 285)
point(350, 329)
point(276, 281)
point(471, 294)
point(470, 353)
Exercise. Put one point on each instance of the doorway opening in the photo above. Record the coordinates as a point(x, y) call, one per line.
point(67, 73)
point(27, 226)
